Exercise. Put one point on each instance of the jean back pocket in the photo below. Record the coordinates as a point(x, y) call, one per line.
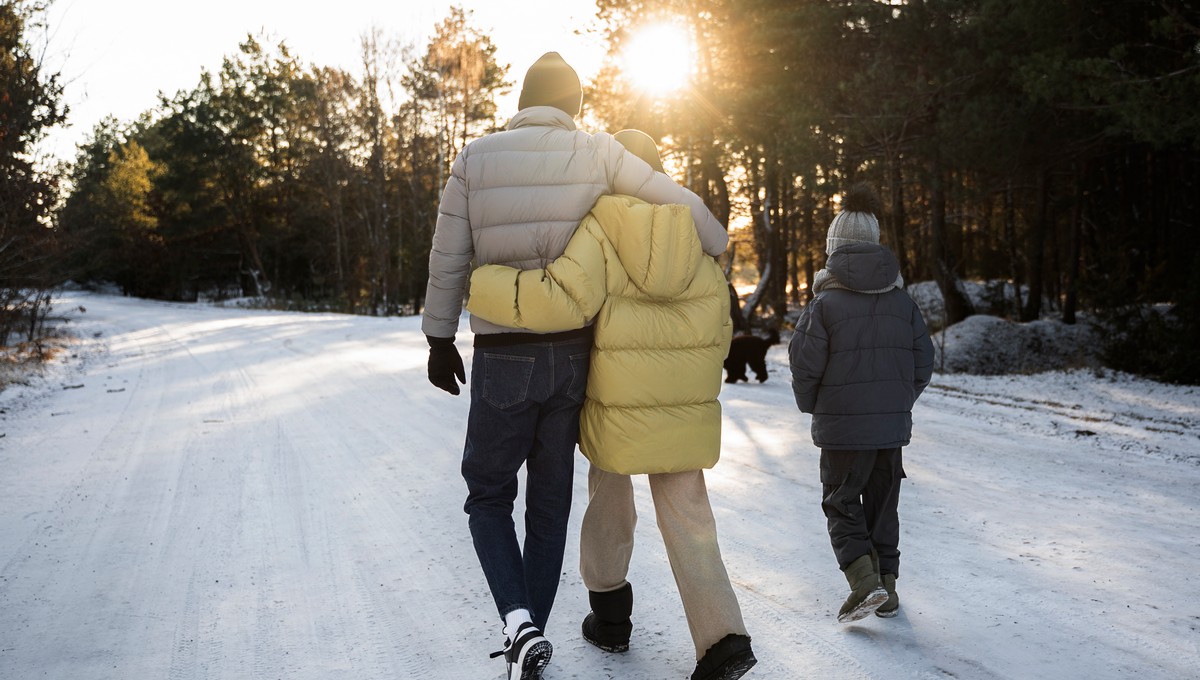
point(506, 379)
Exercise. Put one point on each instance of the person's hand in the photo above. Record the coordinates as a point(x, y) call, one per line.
point(445, 364)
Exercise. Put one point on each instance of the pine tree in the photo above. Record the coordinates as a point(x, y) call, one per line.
point(30, 104)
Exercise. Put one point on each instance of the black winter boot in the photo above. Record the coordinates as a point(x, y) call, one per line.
point(729, 659)
point(608, 626)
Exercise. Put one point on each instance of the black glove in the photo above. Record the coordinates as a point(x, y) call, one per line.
point(445, 364)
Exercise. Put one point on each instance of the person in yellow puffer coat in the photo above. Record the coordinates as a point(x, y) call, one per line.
point(660, 308)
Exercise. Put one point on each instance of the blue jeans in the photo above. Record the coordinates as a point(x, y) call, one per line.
point(525, 403)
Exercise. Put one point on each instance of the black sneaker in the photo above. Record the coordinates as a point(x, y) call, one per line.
point(729, 659)
point(527, 653)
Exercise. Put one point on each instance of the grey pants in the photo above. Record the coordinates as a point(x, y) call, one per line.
point(689, 532)
point(861, 492)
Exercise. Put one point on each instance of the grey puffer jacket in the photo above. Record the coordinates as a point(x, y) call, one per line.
point(860, 360)
point(516, 197)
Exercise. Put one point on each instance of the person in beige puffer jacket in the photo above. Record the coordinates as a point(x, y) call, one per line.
point(662, 331)
point(515, 197)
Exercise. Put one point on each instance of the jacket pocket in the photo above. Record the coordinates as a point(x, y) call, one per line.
point(506, 379)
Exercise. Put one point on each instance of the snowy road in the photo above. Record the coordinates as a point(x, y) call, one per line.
point(219, 493)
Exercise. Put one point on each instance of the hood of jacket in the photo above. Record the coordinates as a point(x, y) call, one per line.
point(657, 244)
point(863, 267)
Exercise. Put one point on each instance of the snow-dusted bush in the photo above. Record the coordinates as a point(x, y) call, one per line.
point(993, 297)
point(1154, 340)
point(990, 345)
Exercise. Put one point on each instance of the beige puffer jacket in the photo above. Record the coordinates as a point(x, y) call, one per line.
point(662, 325)
point(516, 197)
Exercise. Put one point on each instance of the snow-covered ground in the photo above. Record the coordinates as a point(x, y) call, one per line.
point(223, 493)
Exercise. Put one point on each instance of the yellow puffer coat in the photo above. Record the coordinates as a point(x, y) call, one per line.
point(662, 330)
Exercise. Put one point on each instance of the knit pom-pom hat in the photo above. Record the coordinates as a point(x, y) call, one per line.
point(856, 223)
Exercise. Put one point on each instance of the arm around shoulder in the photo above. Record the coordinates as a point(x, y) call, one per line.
point(714, 238)
point(563, 296)
point(631, 175)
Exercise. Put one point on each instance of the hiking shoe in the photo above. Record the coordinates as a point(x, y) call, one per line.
point(892, 607)
point(527, 653)
point(608, 626)
point(866, 591)
point(729, 659)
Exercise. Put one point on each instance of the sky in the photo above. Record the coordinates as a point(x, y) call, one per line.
point(195, 492)
point(117, 55)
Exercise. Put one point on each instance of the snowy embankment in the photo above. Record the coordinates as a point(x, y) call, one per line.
point(989, 344)
point(219, 493)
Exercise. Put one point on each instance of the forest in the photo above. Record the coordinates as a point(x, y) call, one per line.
point(1051, 145)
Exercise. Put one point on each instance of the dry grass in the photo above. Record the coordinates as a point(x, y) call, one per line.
point(21, 361)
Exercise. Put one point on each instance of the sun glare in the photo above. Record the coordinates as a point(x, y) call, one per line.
point(658, 58)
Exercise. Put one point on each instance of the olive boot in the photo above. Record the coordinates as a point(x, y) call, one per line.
point(866, 591)
point(892, 607)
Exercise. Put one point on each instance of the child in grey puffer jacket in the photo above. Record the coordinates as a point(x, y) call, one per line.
point(860, 357)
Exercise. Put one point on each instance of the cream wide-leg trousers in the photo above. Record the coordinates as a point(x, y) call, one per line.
point(689, 533)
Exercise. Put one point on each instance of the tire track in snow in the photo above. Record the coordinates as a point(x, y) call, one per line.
point(1114, 426)
point(94, 511)
point(373, 608)
point(185, 649)
point(370, 617)
point(357, 624)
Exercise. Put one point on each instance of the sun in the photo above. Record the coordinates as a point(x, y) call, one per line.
point(658, 59)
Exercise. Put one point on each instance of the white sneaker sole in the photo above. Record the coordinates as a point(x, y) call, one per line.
point(533, 660)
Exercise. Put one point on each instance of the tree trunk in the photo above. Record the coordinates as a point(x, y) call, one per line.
point(796, 250)
point(1010, 236)
point(957, 306)
point(899, 216)
point(1037, 251)
point(809, 226)
point(1077, 216)
point(735, 312)
point(254, 281)
point(780, 249)
point(715, 184)
point(768, 260)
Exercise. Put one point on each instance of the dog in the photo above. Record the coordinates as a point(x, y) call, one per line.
point(749, 350)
